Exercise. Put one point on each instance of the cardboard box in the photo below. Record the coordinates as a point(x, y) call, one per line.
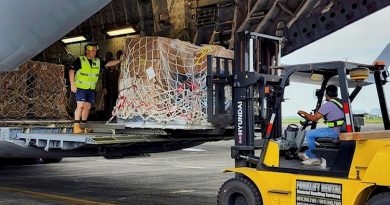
point(35, 91)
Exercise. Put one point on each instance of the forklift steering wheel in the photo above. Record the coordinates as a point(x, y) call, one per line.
point(305, 123)
point(303, 116)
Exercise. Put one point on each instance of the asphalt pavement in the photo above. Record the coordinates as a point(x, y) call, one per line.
point(191, 177)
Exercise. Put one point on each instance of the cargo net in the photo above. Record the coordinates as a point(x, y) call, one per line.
point(35, 91)
point(164, 80)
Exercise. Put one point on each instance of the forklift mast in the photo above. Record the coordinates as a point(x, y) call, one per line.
point(254, 83)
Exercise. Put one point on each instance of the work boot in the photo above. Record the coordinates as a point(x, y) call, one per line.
point(77, 129)
point(302, 156)
point(312, 162)
point(88, 130)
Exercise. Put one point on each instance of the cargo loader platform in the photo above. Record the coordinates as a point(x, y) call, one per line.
point(108, 140)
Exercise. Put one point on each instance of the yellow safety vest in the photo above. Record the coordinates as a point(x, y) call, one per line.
point(339, 122)
point(88, 75)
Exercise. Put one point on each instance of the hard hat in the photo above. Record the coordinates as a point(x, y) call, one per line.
point(89, 47)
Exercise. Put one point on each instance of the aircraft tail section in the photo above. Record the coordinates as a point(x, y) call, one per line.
point(385, 56)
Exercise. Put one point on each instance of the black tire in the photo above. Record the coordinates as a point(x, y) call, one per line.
point(380, 199)
point(51, 160)
point(239, 191)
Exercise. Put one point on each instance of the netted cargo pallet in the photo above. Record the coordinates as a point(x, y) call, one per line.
point(35, 91)
point(164, 81)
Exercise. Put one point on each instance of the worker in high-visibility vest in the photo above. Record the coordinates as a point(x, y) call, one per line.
point(333, 113)
point(83, 76)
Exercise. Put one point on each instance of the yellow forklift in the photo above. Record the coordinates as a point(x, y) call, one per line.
point(354, 169)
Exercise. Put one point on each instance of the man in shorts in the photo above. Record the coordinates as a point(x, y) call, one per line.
point(83, 76)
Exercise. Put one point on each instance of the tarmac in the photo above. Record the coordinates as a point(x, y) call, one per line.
point(190, 176)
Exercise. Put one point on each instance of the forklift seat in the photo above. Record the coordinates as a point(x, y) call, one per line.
point(327, 148)
point(328, 142)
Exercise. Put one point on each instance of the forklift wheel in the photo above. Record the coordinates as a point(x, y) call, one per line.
point(239, 191)
point(51, 160)
point(380, 199)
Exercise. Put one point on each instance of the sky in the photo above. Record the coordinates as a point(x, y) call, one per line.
point(360, 42)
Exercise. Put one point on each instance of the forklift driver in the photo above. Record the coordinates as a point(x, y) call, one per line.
point(332, 111)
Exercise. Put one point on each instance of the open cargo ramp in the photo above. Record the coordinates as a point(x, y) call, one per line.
point(41, 142)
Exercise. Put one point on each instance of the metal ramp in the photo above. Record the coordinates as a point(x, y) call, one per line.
point(164, 125)
point(108, 140)
point(54, 140)
point(63, 138)
point(62, 141)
